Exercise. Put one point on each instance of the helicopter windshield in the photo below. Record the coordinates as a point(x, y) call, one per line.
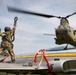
point(61, 47)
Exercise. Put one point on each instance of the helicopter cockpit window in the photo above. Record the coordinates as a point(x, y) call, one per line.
point(61, 47)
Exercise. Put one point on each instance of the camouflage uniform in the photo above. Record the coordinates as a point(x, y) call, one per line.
point(7, 41)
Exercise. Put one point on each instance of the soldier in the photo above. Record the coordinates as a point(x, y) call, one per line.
point(6, 43)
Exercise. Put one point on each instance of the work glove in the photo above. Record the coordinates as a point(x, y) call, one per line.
point(15, 19)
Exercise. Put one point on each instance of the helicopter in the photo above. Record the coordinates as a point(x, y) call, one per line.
point(65, 34)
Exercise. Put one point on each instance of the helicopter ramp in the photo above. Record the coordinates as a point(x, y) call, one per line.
point(19, 68)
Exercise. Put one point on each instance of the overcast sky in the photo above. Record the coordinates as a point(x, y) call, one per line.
point(30, 29)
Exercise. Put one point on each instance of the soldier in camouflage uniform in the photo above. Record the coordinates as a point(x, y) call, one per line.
point(6, 43)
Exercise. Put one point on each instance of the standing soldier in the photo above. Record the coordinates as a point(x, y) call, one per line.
point(6, 43)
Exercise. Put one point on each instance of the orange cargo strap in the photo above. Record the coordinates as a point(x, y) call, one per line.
point(43, 53)
point(4, 58)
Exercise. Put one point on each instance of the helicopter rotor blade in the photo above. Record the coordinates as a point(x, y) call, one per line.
point(70, 15)
point(11, 9)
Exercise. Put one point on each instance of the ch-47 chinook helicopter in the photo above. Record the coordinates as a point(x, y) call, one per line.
point(65, 34)
point(56, 61)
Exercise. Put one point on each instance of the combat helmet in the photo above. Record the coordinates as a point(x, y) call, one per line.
point(7, 29)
